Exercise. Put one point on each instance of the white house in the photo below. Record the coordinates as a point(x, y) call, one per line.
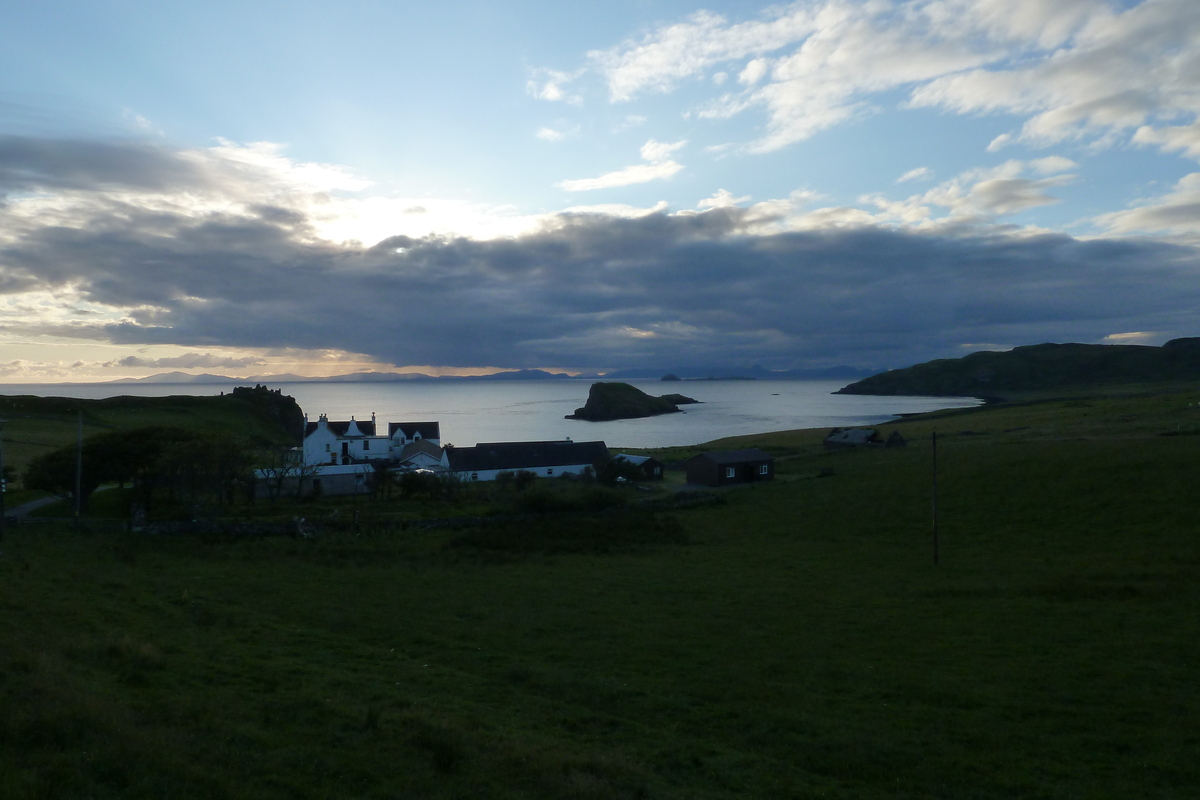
point(349, 442)
point(402, 434)
point(421, 454)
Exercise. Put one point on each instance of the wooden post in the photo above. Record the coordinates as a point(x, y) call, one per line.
point(935, 519)
point(79, 471)
point(3, 482)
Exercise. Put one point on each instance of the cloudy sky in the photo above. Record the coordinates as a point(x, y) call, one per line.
point(264, 187)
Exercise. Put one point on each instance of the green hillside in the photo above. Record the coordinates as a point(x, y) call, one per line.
point(791, 639)
point(1038, 368)
point(39, 425)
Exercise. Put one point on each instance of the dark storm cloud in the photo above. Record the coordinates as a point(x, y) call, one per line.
point(28, 163)
point(599, 291)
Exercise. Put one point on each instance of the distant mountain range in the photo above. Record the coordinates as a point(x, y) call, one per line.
point(689, 373)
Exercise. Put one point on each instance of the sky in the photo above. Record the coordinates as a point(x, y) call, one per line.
point(260, 188)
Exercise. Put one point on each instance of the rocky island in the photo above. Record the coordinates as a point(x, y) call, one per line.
point(609, 401)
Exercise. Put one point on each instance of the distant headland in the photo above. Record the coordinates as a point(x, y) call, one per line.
point(1039, 367)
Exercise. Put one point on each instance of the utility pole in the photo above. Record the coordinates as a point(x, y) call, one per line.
point(935, 520)
point(3, 481)
point(79, 471)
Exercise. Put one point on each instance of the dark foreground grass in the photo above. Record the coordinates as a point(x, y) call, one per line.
point(795, 641)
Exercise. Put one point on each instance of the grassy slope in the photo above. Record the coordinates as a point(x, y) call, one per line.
point(37, 425)
point(801, 645)
point(1042, 367)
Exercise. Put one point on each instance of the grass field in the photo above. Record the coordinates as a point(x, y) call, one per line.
point(34, 426)
point(793, 640)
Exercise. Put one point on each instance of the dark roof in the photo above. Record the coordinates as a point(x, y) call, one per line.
point(428, 430)
point(420, 446)
point(524, 455)
point(366, 427)
point(637, 461)
point(736, 456)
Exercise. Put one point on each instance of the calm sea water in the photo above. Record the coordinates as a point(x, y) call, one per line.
point(481, 411)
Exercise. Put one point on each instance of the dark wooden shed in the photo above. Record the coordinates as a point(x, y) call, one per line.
point(728, 467)
point(652, 468)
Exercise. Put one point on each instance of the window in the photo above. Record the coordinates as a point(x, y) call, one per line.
point(333, 458)
point(658, 470)
point(326, 448)
point(730, 472)
point(550, 471)
point(474, 476)
point(366, 444)
point(763, 469)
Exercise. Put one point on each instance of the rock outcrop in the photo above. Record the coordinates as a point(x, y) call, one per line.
point(609, 401)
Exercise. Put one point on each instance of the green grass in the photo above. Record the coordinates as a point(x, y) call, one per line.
point(35, 426)
point(793, 641)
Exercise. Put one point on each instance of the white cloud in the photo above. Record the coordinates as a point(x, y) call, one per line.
point(638, 173)
point(1177, 212)
point(722, 198)
point(918, 174)
point(549, 135)
point(546, 84)
point(1071, 68)
point(754, 71)
point(660, 166)
point(1178, 138)
point(999, 143)
point(654, 151)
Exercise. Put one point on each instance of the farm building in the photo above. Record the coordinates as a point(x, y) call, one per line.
point(652, 468)
point(844, 438)
point(326, 479)
point(485, 461)
point(728, 467)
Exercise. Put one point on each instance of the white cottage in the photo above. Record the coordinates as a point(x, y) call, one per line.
point(351, 442)
point(403, 434)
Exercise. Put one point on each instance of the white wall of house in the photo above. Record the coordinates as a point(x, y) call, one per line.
point(324, 446)
point(541, 472)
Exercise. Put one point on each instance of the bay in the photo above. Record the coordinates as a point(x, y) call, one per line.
point(502, 411)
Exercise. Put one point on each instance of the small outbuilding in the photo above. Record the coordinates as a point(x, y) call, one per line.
point(843, 438)
point(728, 467)
point(652, 468)
point(486, 460)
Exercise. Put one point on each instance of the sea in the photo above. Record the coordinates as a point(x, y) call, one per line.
point(471, 412)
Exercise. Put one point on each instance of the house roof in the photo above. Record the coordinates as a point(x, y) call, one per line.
point(637, 461)
point(428, 430)
point(420, 446)
point(851, 436)
point(339, 429)
point(524, 455)
point(736, 456)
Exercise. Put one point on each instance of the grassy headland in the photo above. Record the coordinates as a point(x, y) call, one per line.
point(1041, 369)
point(35, 426)
point(790, 639)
